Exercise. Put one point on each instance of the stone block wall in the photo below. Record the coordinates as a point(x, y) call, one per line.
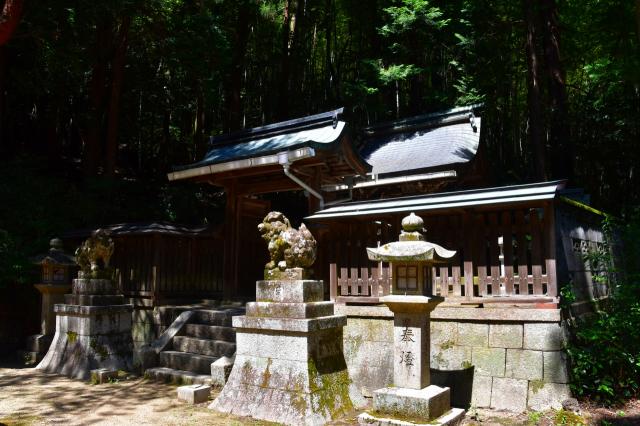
point(503, 358)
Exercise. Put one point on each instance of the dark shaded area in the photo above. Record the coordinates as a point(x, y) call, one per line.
point(459, 381)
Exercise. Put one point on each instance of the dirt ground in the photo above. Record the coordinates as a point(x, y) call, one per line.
point(30, 397)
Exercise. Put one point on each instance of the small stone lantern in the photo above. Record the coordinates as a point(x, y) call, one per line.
point(57, 266)
point(412, 396)
point(58, 269)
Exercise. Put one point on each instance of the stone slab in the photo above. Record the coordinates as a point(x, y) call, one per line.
point(451, 418)
point(163, 341)
point(94, 299)
point(555, 367)
point(299, 291)
point(543, 396)
point(449, 358)
point(496, 314)
point(108, 323)
point(505, 335)
point(94, 286)
point(369, 329)
point(427, 403)
point(289, 310)
point(544, 337)
point(509, 394)
point(524, 364)
point(103, 375)
point(220, 370)
point(473, 334)
point(481, 391)
point(444, 333)
point(194, 394)
point(289, 324)
point(62, 309)
point(489, 361)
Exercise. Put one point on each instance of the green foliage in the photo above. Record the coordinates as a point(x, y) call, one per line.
point(14, 267)
point(605, 353)
point(39, 205)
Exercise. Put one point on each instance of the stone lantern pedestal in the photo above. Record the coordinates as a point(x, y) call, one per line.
point(38, 344)
point(412, 397)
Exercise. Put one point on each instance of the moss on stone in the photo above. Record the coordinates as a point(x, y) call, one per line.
point(447, 345)
point(536, 385)
point(330, 390)
point(72, 336)
point(569, 418)
point(99, 349)
point(266, 376)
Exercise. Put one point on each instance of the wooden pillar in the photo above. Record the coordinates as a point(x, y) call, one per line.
point(229, 269)
point(550, 227)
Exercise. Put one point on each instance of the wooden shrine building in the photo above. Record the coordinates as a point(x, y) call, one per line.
point(515, 241)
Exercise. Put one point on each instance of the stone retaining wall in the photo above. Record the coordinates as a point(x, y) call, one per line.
point(503, 358)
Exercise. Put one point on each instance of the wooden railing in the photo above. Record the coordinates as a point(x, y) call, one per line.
point(500, 255)
point(359, 285)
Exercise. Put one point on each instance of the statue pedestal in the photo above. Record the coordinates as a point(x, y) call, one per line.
point(92, 333)
point(38, 344)
point(412, 398)
point(289, 365)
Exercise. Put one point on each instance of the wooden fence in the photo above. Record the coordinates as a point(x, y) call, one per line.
point(165, 267)
point(499, 253)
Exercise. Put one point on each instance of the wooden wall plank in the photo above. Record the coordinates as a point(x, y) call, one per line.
point(507, 247)
point(536, 255)
point(523, 274)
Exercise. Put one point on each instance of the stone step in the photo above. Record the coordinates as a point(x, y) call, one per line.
point(187, 361)
point(179, 377)
point(214, 348)
point(212, 332)
point(215, 317)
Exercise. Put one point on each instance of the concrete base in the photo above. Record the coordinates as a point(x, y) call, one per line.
point(221, 369)
point(288, 369)
point(452, 417)
point(103, 375)
point(427, 403)
point(90, 337)
point(194, 394)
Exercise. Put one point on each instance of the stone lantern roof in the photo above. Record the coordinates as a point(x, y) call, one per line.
point(411, 246)
point(55, 255)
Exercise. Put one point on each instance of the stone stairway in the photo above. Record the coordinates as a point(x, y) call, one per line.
point(203, 337)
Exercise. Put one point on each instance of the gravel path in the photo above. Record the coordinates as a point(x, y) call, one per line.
point(30, 397)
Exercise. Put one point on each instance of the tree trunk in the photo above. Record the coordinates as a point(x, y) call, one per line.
point(97, 95)
point(559, 136)
point(534, 97)
point(9, 19)
point(234, 86)
point(638, 20)
point(4, 148)
point(117, 66)
point(283, 92)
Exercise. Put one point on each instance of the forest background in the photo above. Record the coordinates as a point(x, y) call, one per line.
point(98, 99)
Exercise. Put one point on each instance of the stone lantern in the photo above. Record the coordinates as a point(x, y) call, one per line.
point(412, 396)
point(57, 270)
point(412, 258)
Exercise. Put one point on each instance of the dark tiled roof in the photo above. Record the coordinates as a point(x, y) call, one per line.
point(142, 228)
point(318, 131)
point(424, 142)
